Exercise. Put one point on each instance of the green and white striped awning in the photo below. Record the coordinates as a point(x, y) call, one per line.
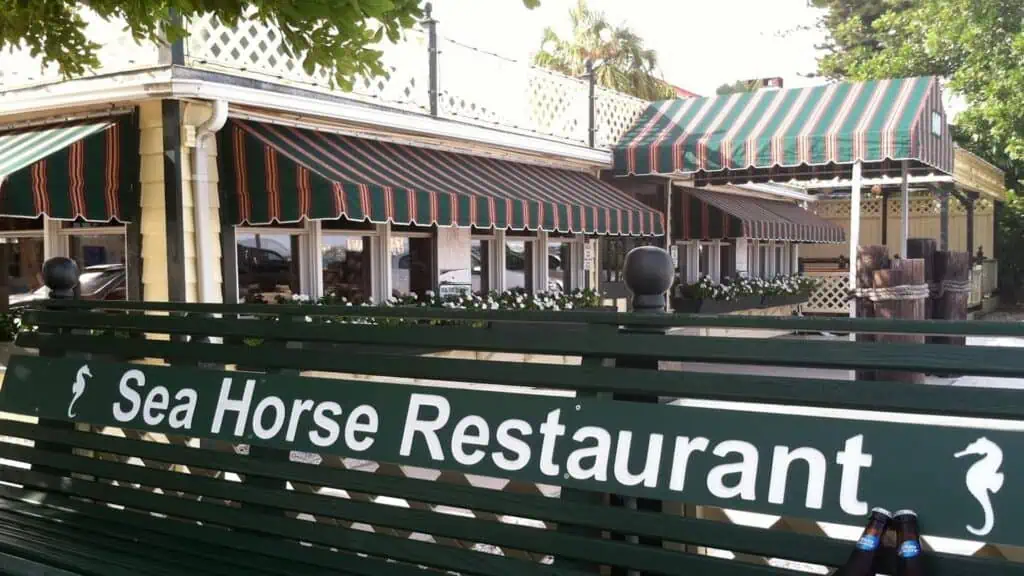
point(774, 132)
point(271, 173)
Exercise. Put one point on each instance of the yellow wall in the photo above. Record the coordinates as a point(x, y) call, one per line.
point(154, 215)
point(924, 223)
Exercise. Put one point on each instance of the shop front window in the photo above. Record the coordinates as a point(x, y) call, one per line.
point(519, 265)
point(560, 263)
point(412, 265)
point(101, 264)
point(268, 265)
point(479, 254)
point(346, 267)
point(24, 265)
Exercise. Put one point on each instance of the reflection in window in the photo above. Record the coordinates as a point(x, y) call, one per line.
point(412, 265)
point(268, 265)
point(24, 265)
point(727, 261)
point(559, 266)
point(346, 267)
point(704, 259)
point(101, 263)
point(762, 261)
point(780, 259)
point(519, 265)
point(479, 254)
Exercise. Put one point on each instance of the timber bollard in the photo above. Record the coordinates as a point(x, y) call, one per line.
point(648, 273)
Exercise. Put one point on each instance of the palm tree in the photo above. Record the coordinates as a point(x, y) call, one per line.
point(620, 60)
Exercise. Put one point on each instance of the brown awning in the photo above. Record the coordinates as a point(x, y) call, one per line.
point(740, 216)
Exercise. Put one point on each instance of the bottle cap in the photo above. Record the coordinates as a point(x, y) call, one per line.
point(882, 511)
point(905, 513)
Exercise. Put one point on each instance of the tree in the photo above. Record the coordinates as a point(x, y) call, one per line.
point(339, 35)
point(976, 45)
point(737, 86)
point(621, 62)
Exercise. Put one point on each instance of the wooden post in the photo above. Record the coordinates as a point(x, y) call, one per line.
point(953, 273)
point(924, 248)
point(969, 205)
point(943, 219)
point(901, 272)
point(869, 259)
point(854, 230)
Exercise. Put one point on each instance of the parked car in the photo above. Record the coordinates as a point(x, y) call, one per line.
point(102, 282)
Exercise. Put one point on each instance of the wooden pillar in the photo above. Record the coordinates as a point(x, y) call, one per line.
point(902, 272)
point(904, 208)
point(885, 217)
point(969, 202)
point(854, 231)
point(943, 219)
point(924, 249)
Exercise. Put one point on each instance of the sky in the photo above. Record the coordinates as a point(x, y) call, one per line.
point(701, 44)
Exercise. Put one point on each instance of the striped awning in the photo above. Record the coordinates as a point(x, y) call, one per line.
point(836, 124)
point(275, 173)
point(87, 171)
point(711, 214)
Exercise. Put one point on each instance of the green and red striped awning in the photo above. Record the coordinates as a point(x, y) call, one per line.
point(710, 214)
point(836, 124)
point(71, 171)
point(273, 173)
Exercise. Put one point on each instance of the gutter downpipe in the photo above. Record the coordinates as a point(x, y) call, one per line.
point(201, 198)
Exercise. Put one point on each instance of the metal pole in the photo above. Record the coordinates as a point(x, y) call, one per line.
point(434, 90)
point(854, 231)
point(904, 208)
point(591, 105)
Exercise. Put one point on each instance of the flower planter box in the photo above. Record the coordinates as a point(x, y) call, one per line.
point(783, 300)
point(691, 306)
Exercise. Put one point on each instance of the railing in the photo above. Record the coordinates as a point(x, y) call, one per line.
point(830, 297)
point(118, 52)
point(474, 86)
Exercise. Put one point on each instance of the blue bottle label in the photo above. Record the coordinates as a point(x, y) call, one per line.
point(910, 549)
point(868, 542)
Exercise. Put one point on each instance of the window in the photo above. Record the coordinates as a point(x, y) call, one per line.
point(519, 264)
point(268, 263)
point(682, 251)
point(780, 259)
point(100, 250)
point(762, 261)
point(412, 264)
point(561, 263)
point(480, 265)
point(21, 240)
point(727, 261)
point(347, 271)
point(704, 259)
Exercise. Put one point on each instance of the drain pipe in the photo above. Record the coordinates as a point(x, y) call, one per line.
point(201, 199)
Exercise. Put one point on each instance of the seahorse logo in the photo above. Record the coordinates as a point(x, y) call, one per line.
point(983, 479)
point(78, 388)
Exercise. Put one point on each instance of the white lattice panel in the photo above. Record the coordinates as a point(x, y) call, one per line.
point(830, 297)
point(254, 49)
point(118, 52)
point(482, 87)
point(616, 113)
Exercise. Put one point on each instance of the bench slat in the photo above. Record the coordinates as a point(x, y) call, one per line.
point(787, 323)
point(768, 389)
point(496, 533)
point(806, 548)
point(312, 561)
point(980, 360)
point(443, 557)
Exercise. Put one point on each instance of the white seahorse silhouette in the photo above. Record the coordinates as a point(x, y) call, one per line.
point(78, 388)
point(983, 479)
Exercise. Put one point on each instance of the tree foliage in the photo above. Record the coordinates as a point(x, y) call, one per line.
point(621, 61)
point(733, 88)
point(339, 35)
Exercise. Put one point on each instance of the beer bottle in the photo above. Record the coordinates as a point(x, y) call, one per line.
point(862, 559)
point(909, 547)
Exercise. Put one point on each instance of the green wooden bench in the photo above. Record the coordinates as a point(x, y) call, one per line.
point(480, 461)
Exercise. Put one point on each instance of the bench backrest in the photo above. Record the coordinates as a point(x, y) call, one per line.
point(498, 443)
